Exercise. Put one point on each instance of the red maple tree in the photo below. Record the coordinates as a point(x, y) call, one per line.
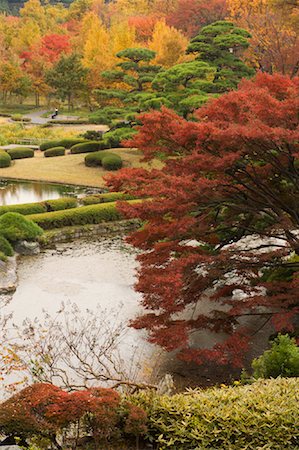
point(220, 236)
point(190, 15)
point(46, 410)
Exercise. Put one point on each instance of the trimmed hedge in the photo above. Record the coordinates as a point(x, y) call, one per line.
point(41, 207)
point(91, 214)
point(262, 415)
point(55, 151)
point(60, 204)
point(105, 198)
point(15, 227)
point(94, 159)
point(5, 247)
point(66, 143)
point(70, 121)
point(24, 209)
point(5, 159)
point(20, 118)
point(86, 147)
point(112, 162)
point(20, 153)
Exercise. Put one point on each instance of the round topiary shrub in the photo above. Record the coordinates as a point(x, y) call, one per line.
point(5, 159)
point(5, 247)
point(15, 227)
point(112, 162)
point(87, 147)
point(20, 153)
point(55, 151)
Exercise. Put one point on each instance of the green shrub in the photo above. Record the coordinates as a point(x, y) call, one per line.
point(49, 144)
point(66, 143)
point(106, 115)
point(262, 415)
point(3, 257)
point(61, 203)
point(70, 121)
point(94, 159)
point(5, 247)
point(281, 360)
point(20, 118)
point(91, 146)
point(114, 138)
point(112, 162)
point(15, 227)
point(55, 151)
point(25, 208)
point(105, 198)
point(92, 135)
point(91, 214)
point(20, 152)
point(41, 207)
point(5, 159)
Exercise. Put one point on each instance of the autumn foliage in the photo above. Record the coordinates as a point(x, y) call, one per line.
point(45, 410)
point(219, 238)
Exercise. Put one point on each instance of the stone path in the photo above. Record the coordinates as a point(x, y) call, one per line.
point(36, 117)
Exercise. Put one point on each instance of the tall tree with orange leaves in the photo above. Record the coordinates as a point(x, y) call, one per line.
point(274, 26)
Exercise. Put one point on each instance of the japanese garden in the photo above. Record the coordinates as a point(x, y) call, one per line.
point(149, 228)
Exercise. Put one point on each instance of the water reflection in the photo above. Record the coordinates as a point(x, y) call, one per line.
point(16, 192)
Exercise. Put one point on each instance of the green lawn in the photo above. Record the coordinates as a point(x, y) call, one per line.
point(68, 169)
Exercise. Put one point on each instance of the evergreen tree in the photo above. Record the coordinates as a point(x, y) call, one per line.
point(222, 45)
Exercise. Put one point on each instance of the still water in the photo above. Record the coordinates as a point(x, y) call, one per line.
point(89, 274)
point(16, 192)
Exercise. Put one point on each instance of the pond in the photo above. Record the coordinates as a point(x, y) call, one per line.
point(17, 192)
point(97, 275)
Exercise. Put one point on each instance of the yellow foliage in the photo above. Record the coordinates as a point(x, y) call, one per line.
point(29, 34)
point(33, 10)
point(122, 36)
point(131, 7)
point(169, 43)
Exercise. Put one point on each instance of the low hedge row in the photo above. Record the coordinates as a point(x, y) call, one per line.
point(55, 151)
point(105, 198)
point(70, 121)
point(66, 143)
point(20, 152)
point(86, 147)
point(40, 207)
point(104, 212)
point(20, 118)
point(59, 204)
point(264, 415)
point(5, 159)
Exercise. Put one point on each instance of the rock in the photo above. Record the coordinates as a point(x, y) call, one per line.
point(27, 248)
point(8, 276)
